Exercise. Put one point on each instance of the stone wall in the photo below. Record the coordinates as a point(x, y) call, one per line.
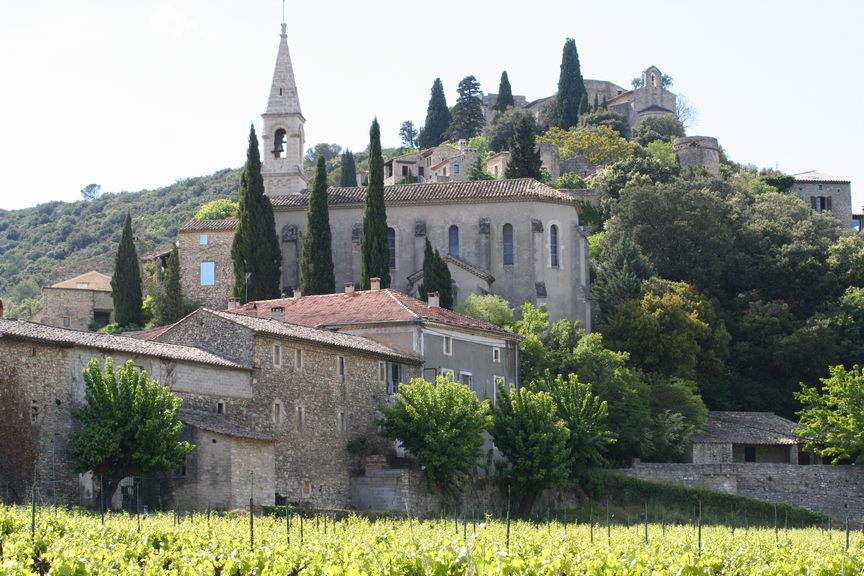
point(192, 254)
point(834, 490)
point(840, 194)
point(699, 151)
point(74, 307)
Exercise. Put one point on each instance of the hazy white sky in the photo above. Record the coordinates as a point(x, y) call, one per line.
point(135, 95)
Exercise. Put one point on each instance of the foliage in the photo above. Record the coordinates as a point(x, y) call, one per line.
point(91, 192)
point(348, 171)
point(598, 144)
point(505, 94)
point(636, 170)
point(328, 151)
point(478, 171)
point(316, 261)
point(408, 134)
point(570, 181)
point(489, 308)
point(500, 130)
point(527, 430)
point(846, 260)
point(677, 412)
point(467, 115)
point(619, 275)
point(219, 209)
point(255, 250)
point(779, 181)
point(436, 277)
point(437, 118)
point(524, 156)
point(832, 420)
point(169, 301)
point(663, 151)
point(613, 120)
point(374, 249)
point(666, 127)
point(441, 424)
point(126, 280)
point(571, 88)
point(130, 425)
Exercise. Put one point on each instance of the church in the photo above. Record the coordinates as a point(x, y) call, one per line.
point(519, 239)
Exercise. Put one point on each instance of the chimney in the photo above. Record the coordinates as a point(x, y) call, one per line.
point(297, 293)
point(233, 303)
point(349, 287)
point(277, 313)
point(434, 300)
point(375, 283)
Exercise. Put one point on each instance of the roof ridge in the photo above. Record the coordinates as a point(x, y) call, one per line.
point(402, 304)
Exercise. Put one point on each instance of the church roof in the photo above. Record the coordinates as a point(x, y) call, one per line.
point(367, 307)
point(516, 190)
point(88, 281)
point(207, 225)
point(283, 91)
point(817, 176)
point(762, 428)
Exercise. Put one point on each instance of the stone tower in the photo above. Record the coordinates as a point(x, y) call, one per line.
point(701, 151)
point(283, 138)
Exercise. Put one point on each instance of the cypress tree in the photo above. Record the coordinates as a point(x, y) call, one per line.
point(477, 171)
point(605, 103)
point(505, 94)
point(583, 105)
point(316, 264)
point(596, 102)
point(571, 87)
point(348, 176)
point(126, 280)
point(437, 118)
point(436, 277)
point(619, 276)
point(524, 157)
point(255, 249)
point(169, 305)
point(374, 249)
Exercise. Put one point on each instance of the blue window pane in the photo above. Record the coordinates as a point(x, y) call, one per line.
point(507, 233)
point(553, 245)
point(208, 273)
point(454, 241)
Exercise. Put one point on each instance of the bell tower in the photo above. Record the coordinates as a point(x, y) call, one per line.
point(283, 138)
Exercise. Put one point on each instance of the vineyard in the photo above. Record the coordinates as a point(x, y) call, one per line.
point(66, 543)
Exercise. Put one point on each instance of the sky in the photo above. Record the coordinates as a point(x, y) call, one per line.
point(135, 95)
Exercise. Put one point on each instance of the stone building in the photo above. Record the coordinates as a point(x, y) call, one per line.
point(206, 270)
point(78, 302)
point(698, 152)
point(651, 98)
point(746, 437)
point(825, 192)
point(312, 391)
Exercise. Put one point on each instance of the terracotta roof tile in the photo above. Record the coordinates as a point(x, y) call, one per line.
point(207, 225)
point(762, 428)
point(817, 176)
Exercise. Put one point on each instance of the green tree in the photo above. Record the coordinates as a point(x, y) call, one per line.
point(91, 192)
point(130, 425)
point(571, 87)
point(467, 115)
point(677, 413)
point(437, 118)
point(441, 424)
point(526, 428)
point(316, 262)
point(613, 120)
point(598, 144)
point(570, 181)
point(666, 127)
point(408, 134)
point(436, 277)
point(524, 156)
point(169, 301)
point(846, 260)
point(619, 276)
point(255, 250)
point(328, 151)
point(374, 249)
point(505, 94)
point(126, 280)
point(348, 174)
point(478, 171)
point(489, 308)
point(219, 209)
point(499, 132)
point(832, 419)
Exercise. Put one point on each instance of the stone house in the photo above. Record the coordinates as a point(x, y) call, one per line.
point(312, 391)
point(824, 192)
point(756, 437)
point(78, 302)
point(649, 99)
point(206, 270)
point(418, 166)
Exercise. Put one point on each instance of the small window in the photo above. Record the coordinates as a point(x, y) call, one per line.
point(394, 379)
point(405, 171)
point(382, 371)
point(340, 366)
point(301, 417)
point(298, 358)
point(66, 322)
point(82, 285)
point(496, 355)
point(453, 238)
point(220, 407)
point(749, 454)
point(277, 356)
point(343, 422)
point(34, 412)
point(391, 247)
point(507, 237)
point(553, 246)
point(455, 169)
point(277, 412)
point(208, 273)
point(448, 346)
point(307, 489)
point(203, 239)
point(467, 379)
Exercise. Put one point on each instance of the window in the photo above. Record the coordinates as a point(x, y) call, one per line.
point(340, 366)
point(301, 417)
point(66, 322)
point(280, 144)
point(394, 379)
point(405, 171)
point(382, 371)
point(421, 171)
point(820, 203)
point(208, 273)
point(453, 237)
point(277, 356)
point(455, 168)
point(496, 355)
point(82, 285)
point(220, 407)
point(553, 245)
point(34, 412)
point(507, 237)
point(277, 412)
point(448, 346)
point(342, 422)
point(749, 454)
point(391, 246)
point(298, 358)
point(307, 489)
point(203, 239)
point(467, 379)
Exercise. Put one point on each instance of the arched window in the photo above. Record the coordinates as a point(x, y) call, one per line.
point(280, 144)
point(453, 236)
point(507, 236)
point(391, 246)
point(553, 245)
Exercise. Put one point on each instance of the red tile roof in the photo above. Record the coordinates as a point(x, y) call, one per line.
point(367, 307)
point(207, 225)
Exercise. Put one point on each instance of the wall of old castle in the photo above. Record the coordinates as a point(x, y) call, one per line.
point(74, 307)
point(192, 254)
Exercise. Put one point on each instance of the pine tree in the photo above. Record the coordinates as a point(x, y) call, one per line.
point(571, 87)
point(169, 303)
point(505, 94)
point(348, 176)
point(436, 277)
point(467, 120)
point(316, 263)
point(437, 118)
point(126, 280)
point(619, 276)
point(477, 171)
point(524, 156)
point(255, 250)
point(374, 249)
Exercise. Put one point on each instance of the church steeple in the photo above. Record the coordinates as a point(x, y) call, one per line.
point(283, 136)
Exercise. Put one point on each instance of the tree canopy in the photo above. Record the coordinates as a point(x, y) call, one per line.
point(571, 88)
point(436, 277)
point(832, 419)
point(467, 115)
point(505, 94)
point(126, 281)
point(348, 172)
point(219, 209)
point(316, 261)
point(169, 302)
point(374, 248)
point(524, 156)
point(437, 118)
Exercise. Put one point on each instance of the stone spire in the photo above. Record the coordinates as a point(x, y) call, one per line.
point(283, 90)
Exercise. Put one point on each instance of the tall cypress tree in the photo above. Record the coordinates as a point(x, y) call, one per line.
point(437, 118)
point(436, 277)
point(126, 280)
point(256, 247)
point(348, 176)
point(505, 94)
point(316, 264)
point(571, 87)
point(169, 301)
point(524, 156)
point(374, 250)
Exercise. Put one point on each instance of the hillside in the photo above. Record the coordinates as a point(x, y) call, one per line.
point(38, 245)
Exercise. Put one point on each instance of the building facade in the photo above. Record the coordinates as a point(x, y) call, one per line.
point(79, 302)
point(825, 193)
point(206, 270)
